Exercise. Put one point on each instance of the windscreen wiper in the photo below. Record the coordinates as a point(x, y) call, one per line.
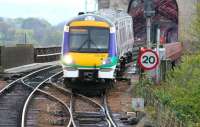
point(92, 42)
point(84, 43)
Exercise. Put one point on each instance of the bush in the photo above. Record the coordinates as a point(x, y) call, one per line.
point(181, 91)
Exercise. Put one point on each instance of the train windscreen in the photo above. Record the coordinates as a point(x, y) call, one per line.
point(88, 39)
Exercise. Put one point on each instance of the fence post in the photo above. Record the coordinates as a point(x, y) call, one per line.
point(1, 65)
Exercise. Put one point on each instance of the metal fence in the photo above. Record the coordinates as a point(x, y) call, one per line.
point(164, 116)
point(46, 54)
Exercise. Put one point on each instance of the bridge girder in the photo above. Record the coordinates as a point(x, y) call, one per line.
point(178, 12)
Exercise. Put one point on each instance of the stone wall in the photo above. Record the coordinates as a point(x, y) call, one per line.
point(187, 11)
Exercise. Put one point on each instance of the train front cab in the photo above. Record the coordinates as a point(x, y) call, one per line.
point(89, 51)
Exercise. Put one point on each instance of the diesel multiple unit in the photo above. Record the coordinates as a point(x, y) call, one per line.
point(94, 43)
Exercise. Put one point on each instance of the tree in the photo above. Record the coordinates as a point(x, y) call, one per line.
point(34, 23)
point(39, 27)
point(54, 37)
point(36, 31)
point(1, 19)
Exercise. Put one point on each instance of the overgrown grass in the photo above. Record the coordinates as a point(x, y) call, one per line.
point(181, 91)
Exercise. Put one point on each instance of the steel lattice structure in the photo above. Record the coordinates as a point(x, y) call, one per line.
point(166, 14)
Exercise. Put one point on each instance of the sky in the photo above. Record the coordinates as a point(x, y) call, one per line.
point(54, 11)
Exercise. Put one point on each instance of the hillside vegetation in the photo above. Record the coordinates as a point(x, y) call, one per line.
point(31, 30)
point(181, 90)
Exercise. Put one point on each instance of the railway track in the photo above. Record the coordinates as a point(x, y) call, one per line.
point(17, 102)
point(50, 93)
point(87, 111)
point(91, 112)
point(14, 95)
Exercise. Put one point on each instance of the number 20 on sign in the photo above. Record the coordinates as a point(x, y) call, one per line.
point(148, 59)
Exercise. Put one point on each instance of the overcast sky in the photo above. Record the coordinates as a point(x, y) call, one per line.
point(54, 11)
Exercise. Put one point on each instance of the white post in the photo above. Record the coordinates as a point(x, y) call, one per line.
point(158, 67)
point(148, 28)
point(86, 6)
point(148, 32)
point(96, 5)
point(158, 38)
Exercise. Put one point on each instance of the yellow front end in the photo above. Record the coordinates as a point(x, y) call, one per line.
point(88, 60)
point(83, 65)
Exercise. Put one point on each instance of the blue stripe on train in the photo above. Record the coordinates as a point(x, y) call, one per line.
point(112, 45)
point(66, 42)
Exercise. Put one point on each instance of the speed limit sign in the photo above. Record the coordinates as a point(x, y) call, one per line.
point(148, 59)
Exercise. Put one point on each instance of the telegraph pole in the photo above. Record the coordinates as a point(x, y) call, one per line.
point(25, 38)
point(157, 50)
point(86, 2)
point(148, 21)
point(149, 11)
point(96, 5)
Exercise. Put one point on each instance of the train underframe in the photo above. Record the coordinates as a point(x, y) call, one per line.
point(98, 78)
point(90, 78)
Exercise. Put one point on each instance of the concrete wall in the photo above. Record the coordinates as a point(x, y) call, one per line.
point(16, 56)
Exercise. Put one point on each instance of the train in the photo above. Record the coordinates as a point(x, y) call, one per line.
point(96, 46)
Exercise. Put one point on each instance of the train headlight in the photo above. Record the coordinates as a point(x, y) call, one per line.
point(107, 61)
point(67, 59)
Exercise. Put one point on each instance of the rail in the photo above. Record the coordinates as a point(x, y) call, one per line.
point(103, 107)
point(68, 92)
point(29, 98)
point(12, 83)
point(54, 54)
point(18, 88)
point(108, 113)
point(60, 101)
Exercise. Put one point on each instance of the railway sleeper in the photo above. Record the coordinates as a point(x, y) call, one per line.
point(95, 122)
point(58, 113)
point(93, 125)
point(58, 122)
point(90, 120)
point(89, 115)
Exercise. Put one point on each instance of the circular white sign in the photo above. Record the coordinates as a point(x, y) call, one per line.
point(148, 59)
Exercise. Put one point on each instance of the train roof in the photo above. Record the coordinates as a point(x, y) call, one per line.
point(109, 15)
point(113, 15)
